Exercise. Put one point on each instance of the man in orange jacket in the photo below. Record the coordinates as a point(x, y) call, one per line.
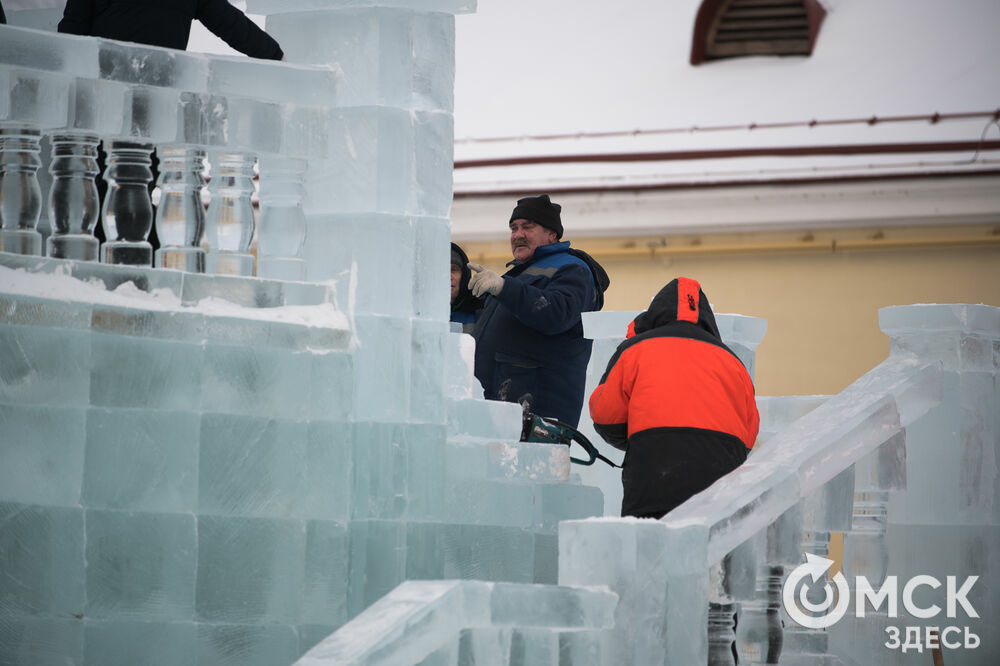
point(677, 401)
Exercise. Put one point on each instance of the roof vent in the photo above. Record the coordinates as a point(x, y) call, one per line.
point(734, 28)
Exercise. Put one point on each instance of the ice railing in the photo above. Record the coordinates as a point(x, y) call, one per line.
point(79, 91)
point(472, 622)
point(838, 468)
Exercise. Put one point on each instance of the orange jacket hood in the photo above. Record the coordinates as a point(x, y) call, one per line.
point(681, 300)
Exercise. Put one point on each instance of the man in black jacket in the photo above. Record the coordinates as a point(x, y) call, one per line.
point(167, 23)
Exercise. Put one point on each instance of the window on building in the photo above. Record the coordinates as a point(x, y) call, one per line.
point(734, 28)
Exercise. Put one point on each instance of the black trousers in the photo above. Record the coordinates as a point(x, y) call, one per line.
point(664, 467)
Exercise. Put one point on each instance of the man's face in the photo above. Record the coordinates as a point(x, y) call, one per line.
point(525, 236)
point(456, 278)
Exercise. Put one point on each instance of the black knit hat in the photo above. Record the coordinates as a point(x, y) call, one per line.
point(539, 210)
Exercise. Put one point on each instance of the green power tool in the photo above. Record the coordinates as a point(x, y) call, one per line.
point(547, 430)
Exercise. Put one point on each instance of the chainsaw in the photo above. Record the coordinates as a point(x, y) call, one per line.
point(548, 430)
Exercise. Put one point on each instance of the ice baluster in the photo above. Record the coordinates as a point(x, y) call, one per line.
point(74, 204)
point(721, 633)
point(20, 195)
point(282, 231)
point(180, 217)
point(127, 214)
point(768, 635)
point(229, 223)
point(801, 642)
point(760, 634)
point(866, 552)
point(732, 584)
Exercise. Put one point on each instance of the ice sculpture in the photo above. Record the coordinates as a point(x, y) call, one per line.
point(219, 469)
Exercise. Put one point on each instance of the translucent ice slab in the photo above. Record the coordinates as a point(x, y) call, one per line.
point(610, 324)
point(41, 99)
point(267, 587)
point(43, 550)
point(431, 247)
point(385, 55)
point(141, 460)
point(459, 374)
point(626, 554)
point(41, 460)
point(155, 581)
point(427, 403)
point(475, 458)
point(960, 335)
point(485, 418)
point(109, 60)
point(43, 365)
point(419, 618)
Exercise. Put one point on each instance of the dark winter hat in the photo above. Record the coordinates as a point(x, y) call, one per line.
point(539, 210)
point(456, 258)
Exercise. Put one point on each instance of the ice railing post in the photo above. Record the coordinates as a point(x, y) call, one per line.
point(933, 507)
point(180, 217)
point(815, 454)
point(20, 196)
point(79, 91)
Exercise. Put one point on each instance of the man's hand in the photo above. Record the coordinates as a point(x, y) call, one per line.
point(484, 281)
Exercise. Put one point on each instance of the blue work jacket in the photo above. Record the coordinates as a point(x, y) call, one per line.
point(529, 338)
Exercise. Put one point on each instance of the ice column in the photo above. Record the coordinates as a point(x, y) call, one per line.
point(230, 222)
point(128, 211)
point(282, 230)
point(20, 196)
point(73, 200)
point(180, 217)
point(387, 167)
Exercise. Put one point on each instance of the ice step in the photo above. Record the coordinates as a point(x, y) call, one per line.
point(489, 458)
point(484, 418)
point(516, 484)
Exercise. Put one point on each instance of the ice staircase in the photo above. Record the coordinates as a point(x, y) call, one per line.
point(496, 479)
point(902, 464)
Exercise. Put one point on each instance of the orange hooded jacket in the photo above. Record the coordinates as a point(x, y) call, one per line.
point(675, 391)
